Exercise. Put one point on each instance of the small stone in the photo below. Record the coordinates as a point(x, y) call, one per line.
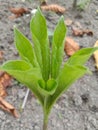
point(77, 100)
point(18, 20)
point(36, 128)
point(54, 122)
point(93, 121)
point(85, 97)
point(94, 108)
point(2, 115)
point(21, 93)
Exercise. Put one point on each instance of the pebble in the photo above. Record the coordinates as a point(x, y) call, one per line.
point(85, 97)
point(37, 128)
point(21, 93)
point(93, 121)
point(2, 115)
point(77, 100)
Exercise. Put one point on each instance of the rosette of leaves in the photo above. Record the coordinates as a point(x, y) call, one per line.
point(40, 67)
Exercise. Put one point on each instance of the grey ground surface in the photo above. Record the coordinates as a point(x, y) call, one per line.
point(77, 109)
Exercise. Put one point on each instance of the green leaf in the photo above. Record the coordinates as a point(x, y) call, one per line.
point(48, 88)
point(25, 73)
point(25, 48)
point(58, 48)
point(37, 50)
point(68, 75)
point(51, 85)
point(41, 42)
point(81, 56)
point(42, 83)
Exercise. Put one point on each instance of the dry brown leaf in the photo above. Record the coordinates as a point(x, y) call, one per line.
point(8, 107)
point(1, 55)
point(12, 17)
point(53, 7)
point(77, 25)
point(71, 46)
point(77, 32)
point(18, 11)
point(5, 79)
point(3, 92)
point(96, 54)
point(88, 32)
point(81, 32)
point(68, 22)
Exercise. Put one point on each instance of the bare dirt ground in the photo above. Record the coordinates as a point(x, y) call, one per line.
point(77, 109)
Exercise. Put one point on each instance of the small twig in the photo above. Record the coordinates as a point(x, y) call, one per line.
point(74, 4)
point(43, 2)
point(25, 99)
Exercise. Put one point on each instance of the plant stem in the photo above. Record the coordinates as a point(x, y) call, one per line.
point(46, 114)
point(45, 122)
point(74, 3)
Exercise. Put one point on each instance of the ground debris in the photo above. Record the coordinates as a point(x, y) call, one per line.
point(68, 22)
point(70, 46)
point(19, 11)
point(96, 54)
point(5, 81)
point(81, 32)
point(53, 7)
point(7, 107)
point(1, 55)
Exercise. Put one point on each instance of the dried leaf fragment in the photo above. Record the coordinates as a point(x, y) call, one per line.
point(53, 7)
point(81, 32)
point(12, 17)
point(68, 22)
point(19, 11)
point(88, 32)
point(71, 46)
point(8, 107)
point(78, 32)
point(5, 79)
point(96, 54)
point(1, 55)
point(3, 92)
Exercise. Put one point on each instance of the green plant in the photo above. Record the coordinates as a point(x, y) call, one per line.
point(82, 4)
point(40, 67)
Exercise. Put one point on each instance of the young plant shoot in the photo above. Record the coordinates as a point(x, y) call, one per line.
point(40, 67)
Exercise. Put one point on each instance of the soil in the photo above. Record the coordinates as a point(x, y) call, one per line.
point(77, 109)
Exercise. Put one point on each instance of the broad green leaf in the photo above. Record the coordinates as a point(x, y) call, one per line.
point(81, 56)
point(68, 75)
point(41, 43)
point(37, 50)
point(25, 48)
point(58, 48)
point(24, 73)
